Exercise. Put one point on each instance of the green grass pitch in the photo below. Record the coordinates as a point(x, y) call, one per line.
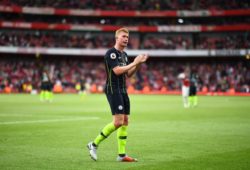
point(162, 134)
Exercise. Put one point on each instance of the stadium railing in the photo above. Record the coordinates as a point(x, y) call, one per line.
point(107, 28)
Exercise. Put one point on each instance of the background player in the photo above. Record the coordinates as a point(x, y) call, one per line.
point(45, 94)
point(193, 100)
point(185, 87)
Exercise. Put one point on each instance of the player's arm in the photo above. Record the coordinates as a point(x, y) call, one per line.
point(133, 70)
point(118, 70)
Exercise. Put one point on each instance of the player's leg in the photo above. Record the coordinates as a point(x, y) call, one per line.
point(122, 131)
point(191, 100)
point(51, 92)
point(117, 108)
point(195, 98)
point(104, 134)
point(42, 93)
point(122, 141)
point(83, 92)
point(122, 134)
point(122, 137)
point(191, 96)
point(185, 94)
point(109, 128)
point(47, 88)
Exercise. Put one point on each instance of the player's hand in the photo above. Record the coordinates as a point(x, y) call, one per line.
point(144, 58)
point(141, 58)
point(138, 59)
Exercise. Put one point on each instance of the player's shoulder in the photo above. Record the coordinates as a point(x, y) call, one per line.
point(111, 53)
point(111, 50)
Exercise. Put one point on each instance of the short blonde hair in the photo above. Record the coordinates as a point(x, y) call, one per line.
point(121, 30)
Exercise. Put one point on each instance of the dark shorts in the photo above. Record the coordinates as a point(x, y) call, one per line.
point(192, 91)
point(119, 103)
point(82, 87)
point(46, 86)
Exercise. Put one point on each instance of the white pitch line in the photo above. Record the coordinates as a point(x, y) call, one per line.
point(49, 120)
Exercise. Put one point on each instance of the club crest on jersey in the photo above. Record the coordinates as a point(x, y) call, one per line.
point(120, 107)
point(113, 56)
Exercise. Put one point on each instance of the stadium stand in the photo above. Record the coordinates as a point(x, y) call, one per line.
point(209, 36)
point(134, 4)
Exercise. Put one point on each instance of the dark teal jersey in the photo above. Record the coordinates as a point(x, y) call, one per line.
point(193, 79)
point(45, 77)
point(115, 83)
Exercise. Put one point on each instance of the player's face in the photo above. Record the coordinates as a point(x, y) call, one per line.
point(122, 39)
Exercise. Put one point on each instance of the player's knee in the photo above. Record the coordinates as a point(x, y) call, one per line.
point(125, 122)
point(119, 120)
point(118, 124)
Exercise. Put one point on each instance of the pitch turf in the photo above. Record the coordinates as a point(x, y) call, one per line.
point(162, 134)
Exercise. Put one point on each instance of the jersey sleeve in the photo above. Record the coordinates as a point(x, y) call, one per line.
point(112, 60)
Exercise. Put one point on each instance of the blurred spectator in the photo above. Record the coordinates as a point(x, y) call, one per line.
point(92, 40)
point(164, 41)
point(223, 41)
point(156, 75)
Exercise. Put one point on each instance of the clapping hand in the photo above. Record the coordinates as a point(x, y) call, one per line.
point(144, 58)
point(141, 58)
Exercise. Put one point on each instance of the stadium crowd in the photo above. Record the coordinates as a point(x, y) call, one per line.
point(55, 39)
point(134, 4)
point(229, 41)
point(213, 76)
point(147, 41)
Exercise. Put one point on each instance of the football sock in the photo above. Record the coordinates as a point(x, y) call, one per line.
point(50, 96)
point(83, 94)
point(106, 131)
point(46, 95)
point(122, 140)
point(191, 100)
point(42, 95)
point(195, 100)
